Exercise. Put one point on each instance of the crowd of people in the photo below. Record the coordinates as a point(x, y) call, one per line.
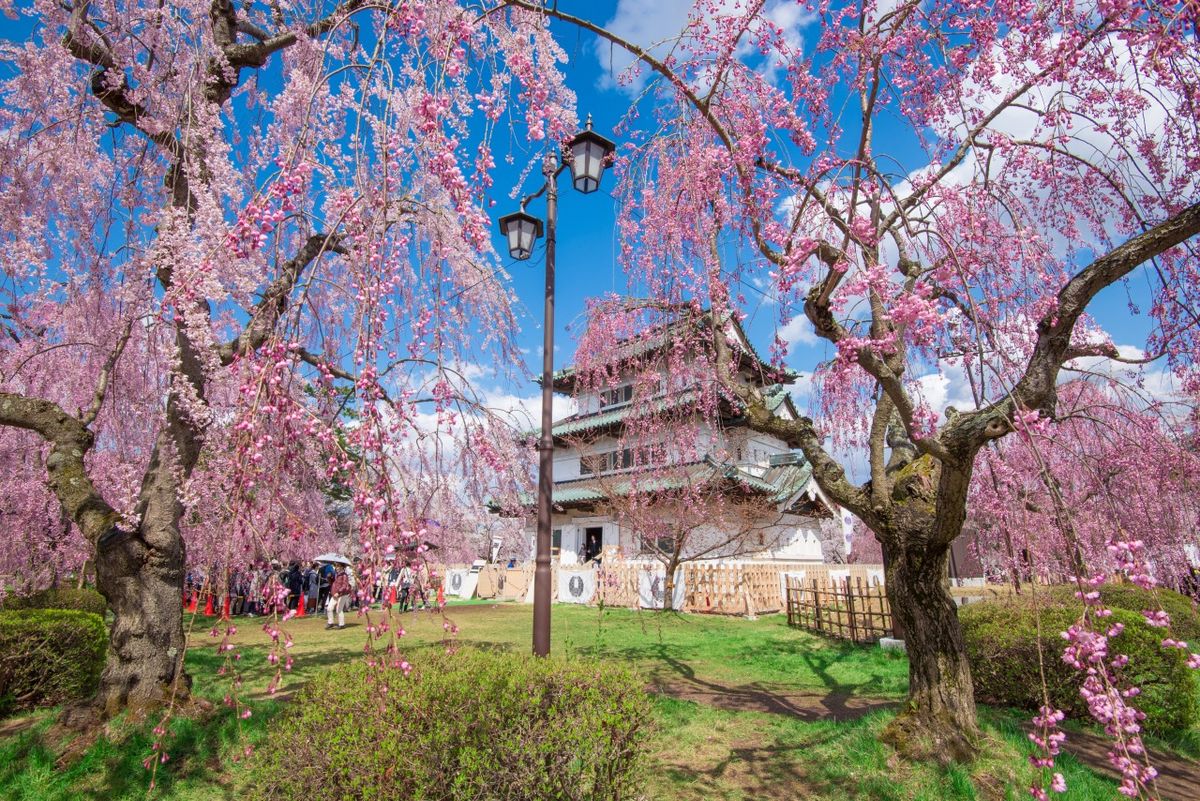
point(270, 587)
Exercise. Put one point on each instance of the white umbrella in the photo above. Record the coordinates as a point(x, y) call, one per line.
point(333, 557)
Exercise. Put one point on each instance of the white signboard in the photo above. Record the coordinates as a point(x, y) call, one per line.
point(460, 583)
point(796, 577)
point(576, 586)
point(652, 589)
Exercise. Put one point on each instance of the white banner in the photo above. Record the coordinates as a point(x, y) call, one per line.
point(652, 589)
point(576, 586)
point(457, 581)
point(796, 577)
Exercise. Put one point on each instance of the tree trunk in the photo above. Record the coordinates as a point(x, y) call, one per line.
point(143, 584)
point(668, 591)
point(939, 719)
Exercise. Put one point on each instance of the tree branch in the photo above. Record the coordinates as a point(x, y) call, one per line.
point(70, 440)
point(1036, 388)
point(274, 302)
point(89, 416)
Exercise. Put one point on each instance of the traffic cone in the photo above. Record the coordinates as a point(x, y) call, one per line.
point(208, 606)
point(441, 596)
point(391, 596)
point(194, 601)
point(300, 607)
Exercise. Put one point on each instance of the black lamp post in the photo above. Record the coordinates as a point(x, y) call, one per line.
point(587, 155)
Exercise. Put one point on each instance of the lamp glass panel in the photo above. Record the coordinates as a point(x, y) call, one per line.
point(587, 164)
point(524, 239)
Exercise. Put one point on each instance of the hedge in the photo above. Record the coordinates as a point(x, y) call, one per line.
point(1002, 645)
point(469, 725)
point(85, 600)
point(49, 656)
point(1185, 618)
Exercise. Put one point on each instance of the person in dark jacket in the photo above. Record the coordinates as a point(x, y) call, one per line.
point(295, 584)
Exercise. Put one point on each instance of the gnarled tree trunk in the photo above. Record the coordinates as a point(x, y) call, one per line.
point(926, 512)
point(140, 573)
point(939, 719)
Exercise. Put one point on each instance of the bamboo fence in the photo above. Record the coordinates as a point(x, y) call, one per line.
point(850, 609)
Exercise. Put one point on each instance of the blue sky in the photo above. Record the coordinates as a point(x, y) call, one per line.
point(588, 267)
point(587, 239)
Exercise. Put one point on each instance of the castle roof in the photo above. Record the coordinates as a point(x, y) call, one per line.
point(661, 336)
point(594, 423)
point(781, 484)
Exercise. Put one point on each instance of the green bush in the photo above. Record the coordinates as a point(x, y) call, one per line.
point(1185, 619)
point(49, 656)
point(471, 725)
point(85, 600)
point(1002, 645)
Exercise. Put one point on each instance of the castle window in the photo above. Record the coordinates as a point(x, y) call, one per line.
point(618, 396)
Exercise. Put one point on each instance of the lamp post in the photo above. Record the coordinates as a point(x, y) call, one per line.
point(586, 155)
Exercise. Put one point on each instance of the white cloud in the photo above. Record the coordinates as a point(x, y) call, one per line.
point(524, 413)
point(799, 331)
point(659, 25)
point(945, 388)
point(652, 24)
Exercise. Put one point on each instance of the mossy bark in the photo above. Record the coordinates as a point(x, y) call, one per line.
point(142, 579)
point(939, 720)
point(925, 514)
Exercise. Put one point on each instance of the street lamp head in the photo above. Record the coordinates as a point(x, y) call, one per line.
point(589, 152)
point(521, 230)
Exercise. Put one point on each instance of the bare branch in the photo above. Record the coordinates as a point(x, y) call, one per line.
point(89, 416)
point(274, 302)
point(1036, 389)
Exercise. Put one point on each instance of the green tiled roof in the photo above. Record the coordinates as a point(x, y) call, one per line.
point(779, 483)
point(578, 424)
point(775, 395)
point(638, 345)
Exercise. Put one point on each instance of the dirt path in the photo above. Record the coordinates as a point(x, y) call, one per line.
point(765, 698)
point(1178, 777)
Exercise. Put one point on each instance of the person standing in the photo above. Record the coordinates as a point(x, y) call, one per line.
point(324, 581)
point(339, 599)
point(310, 586)
point(418, 587)
point(295, 585)
point(406, 587)
point(254, 593)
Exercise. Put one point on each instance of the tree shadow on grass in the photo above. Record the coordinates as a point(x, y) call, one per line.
point(113, 767)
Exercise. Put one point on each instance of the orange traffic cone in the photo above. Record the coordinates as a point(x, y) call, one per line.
point(391, 596)
point(194, 601)
point(300, 607)
point(208, 606)
point(441, 596)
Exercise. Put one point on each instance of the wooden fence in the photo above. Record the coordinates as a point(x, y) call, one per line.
point(850, 609)
point(733, 587)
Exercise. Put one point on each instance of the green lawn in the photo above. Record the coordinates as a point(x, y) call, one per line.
point(714, 676)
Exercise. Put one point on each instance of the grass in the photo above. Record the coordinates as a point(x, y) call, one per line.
point(707, 753)
point(701, 752)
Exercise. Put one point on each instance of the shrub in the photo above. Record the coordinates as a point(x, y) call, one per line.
point(85, 600)
point(49, 656)
point(1185, 620)
point(469, 725)
point(1002, 645)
